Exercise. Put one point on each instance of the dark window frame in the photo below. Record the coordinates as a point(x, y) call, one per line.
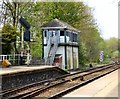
point(45, 33)
point(75, 37)
point(62, 33)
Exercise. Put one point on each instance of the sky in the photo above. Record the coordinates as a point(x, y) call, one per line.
point(106, 14)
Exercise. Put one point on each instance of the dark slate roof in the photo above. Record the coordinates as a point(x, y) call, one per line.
point(55, 23)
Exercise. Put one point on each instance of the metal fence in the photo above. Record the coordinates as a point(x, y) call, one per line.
point(15, 59)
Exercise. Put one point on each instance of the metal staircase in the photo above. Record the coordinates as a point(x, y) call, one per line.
point(52, 45)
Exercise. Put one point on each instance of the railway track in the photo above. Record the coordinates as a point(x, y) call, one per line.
point(59, 86)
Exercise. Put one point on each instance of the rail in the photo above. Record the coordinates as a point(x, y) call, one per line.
point(35, 89)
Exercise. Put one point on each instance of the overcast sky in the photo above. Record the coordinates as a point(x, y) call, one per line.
point(106, 13)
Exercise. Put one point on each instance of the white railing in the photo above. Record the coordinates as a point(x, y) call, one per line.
point(15, 58)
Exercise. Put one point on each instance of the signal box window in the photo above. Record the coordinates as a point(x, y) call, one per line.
point(61, 33)
point(45, 33)
point(75, 38)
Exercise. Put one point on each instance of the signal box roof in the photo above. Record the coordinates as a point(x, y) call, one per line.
point(58, 24)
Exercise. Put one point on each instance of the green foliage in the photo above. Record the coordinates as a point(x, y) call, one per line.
point(8, 36)
point(115, 53)
point(119, 44)
point(77, 14)
point(36, 48)
point(111, 46)
point(82, 53)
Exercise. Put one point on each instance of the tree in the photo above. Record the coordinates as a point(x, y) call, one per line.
point(8, 37)
point(119, 45)
point(112, 45)
point(10, 13)
point(76, 14)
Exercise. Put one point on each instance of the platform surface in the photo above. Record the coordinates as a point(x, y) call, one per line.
point(106, 86)
point(14, 69)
